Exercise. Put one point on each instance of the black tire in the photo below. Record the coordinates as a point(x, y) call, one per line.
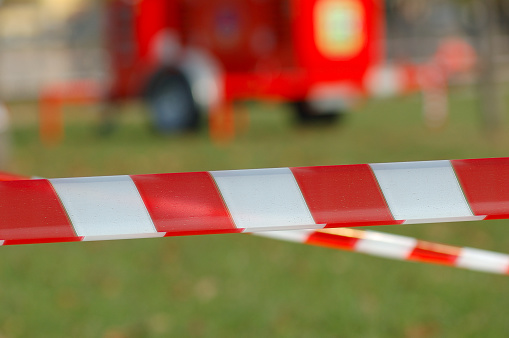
point(306, 115)
point(171, 102)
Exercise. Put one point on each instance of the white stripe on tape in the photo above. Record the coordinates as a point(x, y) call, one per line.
point(476, 259)
point(131, 236)
point(386, 245)
point(263, 199)
point(299, 236)
point(421, 190)
point(104, 206)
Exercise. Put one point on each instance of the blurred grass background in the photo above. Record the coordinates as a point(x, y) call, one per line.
point(240, 285)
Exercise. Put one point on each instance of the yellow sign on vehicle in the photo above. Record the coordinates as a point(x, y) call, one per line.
point(339, 29)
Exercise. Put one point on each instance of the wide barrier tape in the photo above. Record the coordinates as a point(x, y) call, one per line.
point(140, 206)
point(381, 245)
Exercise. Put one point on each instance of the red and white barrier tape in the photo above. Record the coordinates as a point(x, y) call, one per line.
point(140, 206)
point(381, 245)
point(398, 247)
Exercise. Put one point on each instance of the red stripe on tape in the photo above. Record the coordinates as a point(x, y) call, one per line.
point(434, 253)
point(343, 195)
point(332, 240)
point(184, 203)
point(485, 183)
point(204, 232)
point(32, 210)
point(42, 240)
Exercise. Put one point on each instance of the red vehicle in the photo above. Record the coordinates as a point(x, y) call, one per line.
point(187, 56)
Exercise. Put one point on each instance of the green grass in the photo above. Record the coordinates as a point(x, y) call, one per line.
point(239, 285)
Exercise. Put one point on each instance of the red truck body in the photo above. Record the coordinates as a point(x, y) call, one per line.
point(316, 54)
point(265, 49)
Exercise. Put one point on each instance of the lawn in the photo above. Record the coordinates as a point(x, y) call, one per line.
point(240, 285)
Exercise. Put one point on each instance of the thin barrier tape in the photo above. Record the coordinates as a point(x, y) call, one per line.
point(397, 247)
point(140, 206)
point(372, 243)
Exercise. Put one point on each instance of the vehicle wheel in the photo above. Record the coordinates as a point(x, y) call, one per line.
point(305, 114)
point(171, 103)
